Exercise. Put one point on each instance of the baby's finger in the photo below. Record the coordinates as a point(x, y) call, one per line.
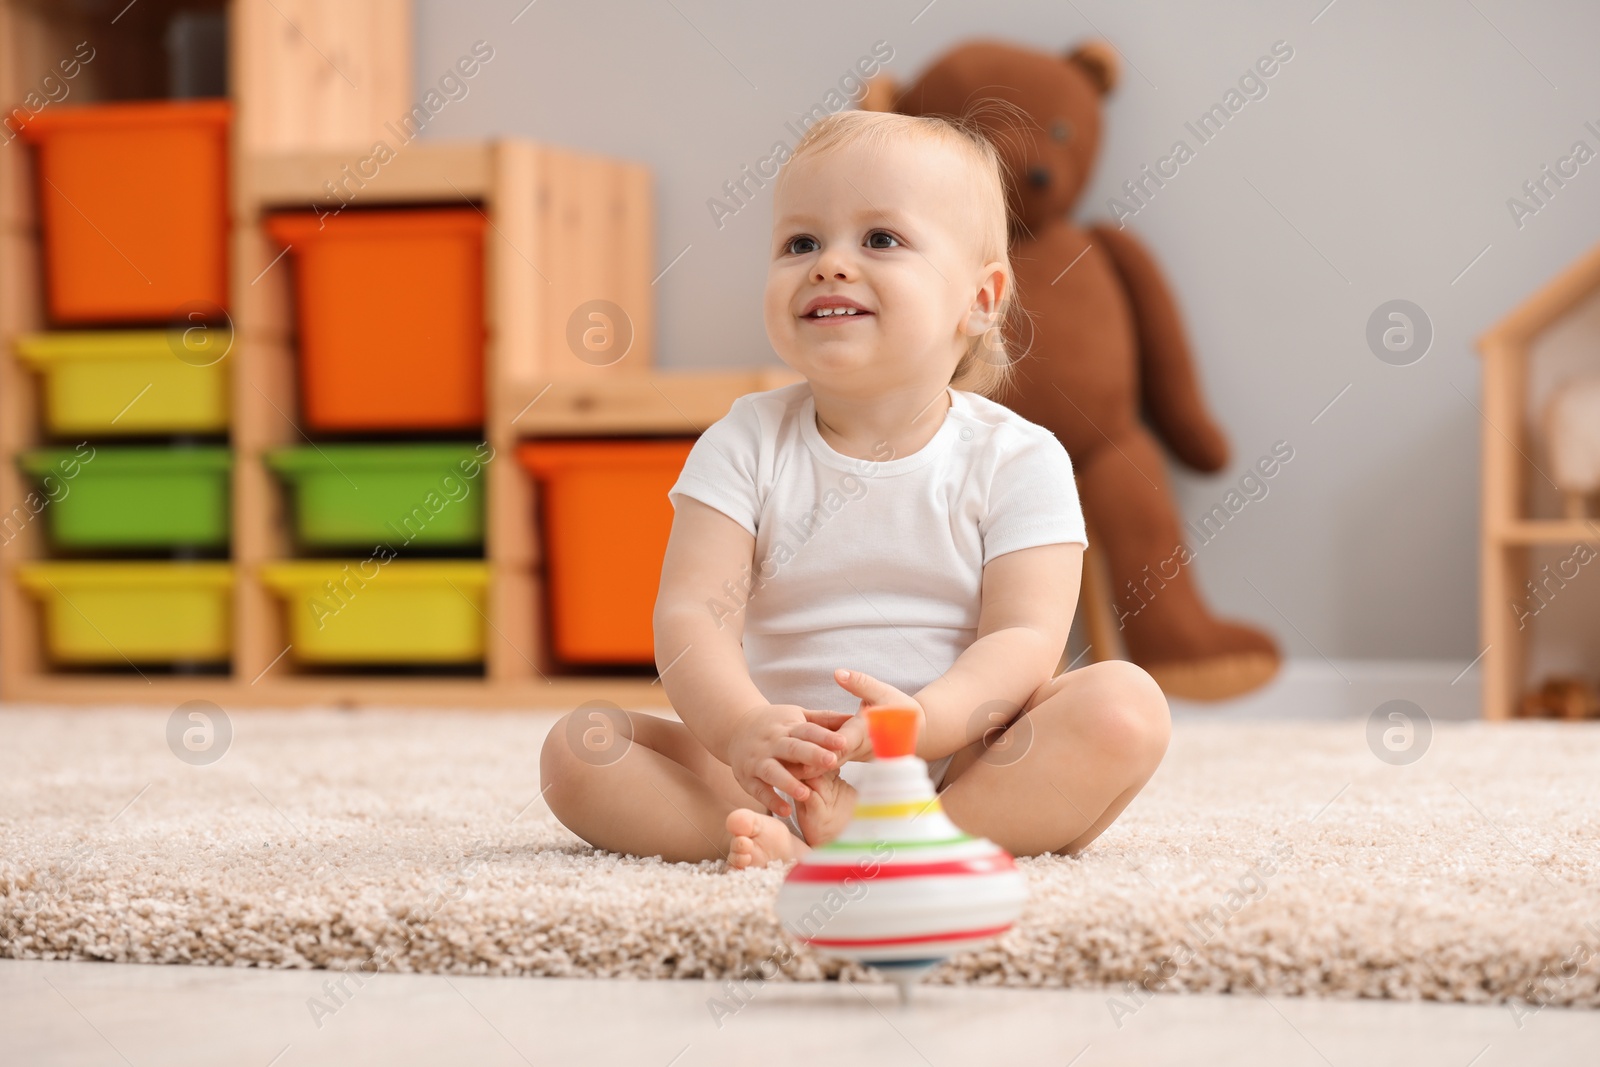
point(805, 757)
point(773, 773)
point(819, 735)
point(830, 719)
point(767, 795)
point(810, 752)
point(856, 727)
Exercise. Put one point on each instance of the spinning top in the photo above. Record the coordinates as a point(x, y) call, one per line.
point(902, 887)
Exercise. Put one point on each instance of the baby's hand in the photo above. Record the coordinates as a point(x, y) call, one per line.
point(873, 694)
point(775, 746)
point(850, 729)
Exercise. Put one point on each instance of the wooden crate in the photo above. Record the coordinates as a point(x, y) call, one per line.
point(565, 228)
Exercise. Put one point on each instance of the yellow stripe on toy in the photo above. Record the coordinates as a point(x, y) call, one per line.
point(902, 810)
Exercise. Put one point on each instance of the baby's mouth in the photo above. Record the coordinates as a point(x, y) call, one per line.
point(835, 314)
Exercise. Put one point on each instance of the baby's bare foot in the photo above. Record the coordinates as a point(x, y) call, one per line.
point(827, 810)
point(759, 839)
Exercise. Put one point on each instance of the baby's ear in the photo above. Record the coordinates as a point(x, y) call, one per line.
point(880, 94)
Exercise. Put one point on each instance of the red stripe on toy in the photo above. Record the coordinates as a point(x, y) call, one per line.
point(820, 872)
point(933, 938)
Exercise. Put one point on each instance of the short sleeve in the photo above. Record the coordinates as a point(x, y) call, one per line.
point(1033, 499)
point(721, 468)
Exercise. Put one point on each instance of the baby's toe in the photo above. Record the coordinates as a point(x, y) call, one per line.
point(741, 853)
point(741, 822)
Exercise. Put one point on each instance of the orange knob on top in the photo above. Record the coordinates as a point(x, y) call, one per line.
point(893, 731)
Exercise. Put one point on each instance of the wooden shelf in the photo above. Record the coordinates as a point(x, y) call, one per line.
point(565, 228)
point(422, 171)
point(1548, 532)
point(1508, 537)
point(661, 403)
point(328, 691)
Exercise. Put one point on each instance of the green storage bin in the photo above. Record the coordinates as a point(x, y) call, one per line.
point(128, 497)
point(356, 496)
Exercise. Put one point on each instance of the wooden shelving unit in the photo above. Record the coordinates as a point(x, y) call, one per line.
point(565, 228)
point(1508, 533)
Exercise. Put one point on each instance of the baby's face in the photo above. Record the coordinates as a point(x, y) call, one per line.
point(889, 232)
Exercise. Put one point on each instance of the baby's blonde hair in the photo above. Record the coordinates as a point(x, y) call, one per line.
point(986, 366)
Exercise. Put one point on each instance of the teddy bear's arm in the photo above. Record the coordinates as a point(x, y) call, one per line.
point(1168, 385)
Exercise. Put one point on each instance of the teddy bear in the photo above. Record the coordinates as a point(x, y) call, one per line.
point(1105, 363)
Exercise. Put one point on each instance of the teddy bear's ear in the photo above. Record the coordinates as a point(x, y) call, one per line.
point(880, 94)
point(1098, 60)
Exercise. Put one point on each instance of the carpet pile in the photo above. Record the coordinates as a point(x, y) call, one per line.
point(1278, 859)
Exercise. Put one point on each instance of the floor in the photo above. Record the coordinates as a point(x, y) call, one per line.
point(70, 1014)
point(76, 1013)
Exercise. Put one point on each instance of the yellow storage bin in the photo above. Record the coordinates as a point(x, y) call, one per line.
point(374, 612)
point(131, 381)
point(140, 613)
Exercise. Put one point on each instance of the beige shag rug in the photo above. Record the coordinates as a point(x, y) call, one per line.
point(1284, 858)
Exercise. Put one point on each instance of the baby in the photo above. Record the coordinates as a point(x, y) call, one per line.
point(880, 534)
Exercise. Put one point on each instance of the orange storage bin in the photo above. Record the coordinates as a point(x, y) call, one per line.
point(133, 201)
point(390, 310)
point(606, 518)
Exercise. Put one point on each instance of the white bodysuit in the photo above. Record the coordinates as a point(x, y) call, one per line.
point(873, 565)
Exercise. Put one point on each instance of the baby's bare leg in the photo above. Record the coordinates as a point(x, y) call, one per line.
point(1091, 740)
point(660, 793)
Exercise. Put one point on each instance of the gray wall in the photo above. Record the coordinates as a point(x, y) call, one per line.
point(1381, 159)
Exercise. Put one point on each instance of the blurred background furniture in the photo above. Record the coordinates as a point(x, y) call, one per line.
point(1534, 547)
point(241, 373)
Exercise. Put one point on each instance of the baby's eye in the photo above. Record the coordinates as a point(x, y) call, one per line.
point(790, 247)
point(881, 233)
